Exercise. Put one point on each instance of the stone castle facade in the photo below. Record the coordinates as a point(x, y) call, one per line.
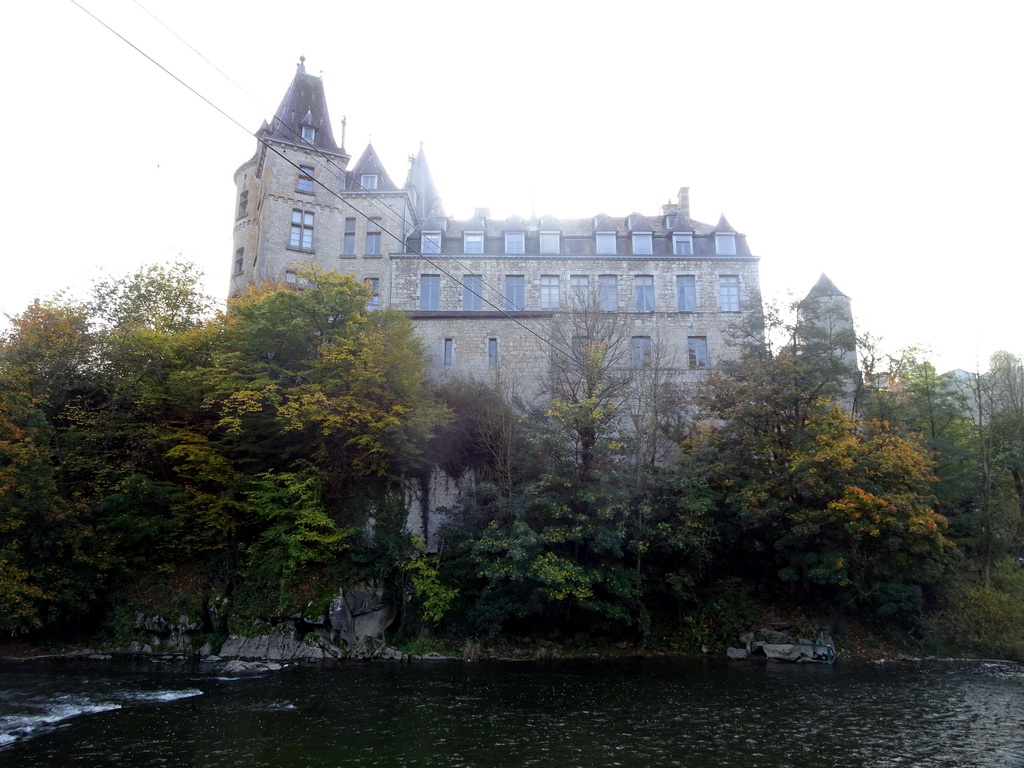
point(486, 295)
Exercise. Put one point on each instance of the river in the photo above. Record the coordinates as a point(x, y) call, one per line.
point(558, 714)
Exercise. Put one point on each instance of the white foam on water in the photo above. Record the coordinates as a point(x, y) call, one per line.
point(15, 727)
point(184, 693)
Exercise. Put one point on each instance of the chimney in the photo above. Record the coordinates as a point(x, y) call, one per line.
point(684, 201)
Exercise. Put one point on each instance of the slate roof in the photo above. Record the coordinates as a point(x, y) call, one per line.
point(724, 226)
point(369, 162)
point(304, 104)
point(420, 180)
point(824, 288)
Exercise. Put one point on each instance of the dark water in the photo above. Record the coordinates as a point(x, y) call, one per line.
point(649, 713)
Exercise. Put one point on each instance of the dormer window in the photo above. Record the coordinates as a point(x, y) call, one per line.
point(682, 245)
point(431, 242)
point(642, 244)
point(605, 243)
point(550, 242)
point(473, 242)
point(515, 242)
point(308, 133)
point(725, 243)
point(368, 181)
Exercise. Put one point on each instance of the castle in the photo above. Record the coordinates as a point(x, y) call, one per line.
point(484, 294)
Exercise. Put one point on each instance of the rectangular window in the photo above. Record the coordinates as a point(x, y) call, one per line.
point(606, 243)
point(579, 349)
point(697, 351)
point(373, 283)
point(641, 351)
point(472, 292)
point(373, 237)
point(725, 244)
point(642, 245)
point(515, 242)
point(473, 242)
point(243, 203)
point(682, 245)
point(305, 179)
point(302, 230)
point(515, 293)
point(643, 286)
point(579, 292)
point(368, 181)
point(431, 242)
point(449, 353)
point(430, 291)
point(686, 293)
point(239, 260)
point(549, 292)
point(308, 133)
point(348, 245)
point(609, 293)
point(550, 242)
point(729, 292)
point(492, 351)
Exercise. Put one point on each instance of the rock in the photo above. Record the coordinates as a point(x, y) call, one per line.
point(736, 653)
point(772, 636)
point(390, 654)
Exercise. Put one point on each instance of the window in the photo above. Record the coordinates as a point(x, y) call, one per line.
point(550, 242)
point(725, 243)
point(641, 351)
point(492, 351)
point(579, 292)
point(682, 245)
point(606, 242)
point(609, 293)
point(449, 353)
point(515, 242)
point(472, 291)
point(643, 286)
point(348, 243)
point(305, 178)
point(729, 292)
point(579, 349)
point(373, 283)
point(473, 242)
point(239, 260)
point(515, 293)
point(243, 203)
point(431, 242)
point(697, 351)
point(373, 237)
point(302, 230)
point(686, 293)
point(642, 245)
point(368, 181)
point(549, 292)
point(308, 133)
point(430, 291)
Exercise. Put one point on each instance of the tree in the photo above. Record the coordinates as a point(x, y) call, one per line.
point(812, 495)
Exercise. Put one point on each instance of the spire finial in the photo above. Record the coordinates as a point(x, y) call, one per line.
point(302, 64)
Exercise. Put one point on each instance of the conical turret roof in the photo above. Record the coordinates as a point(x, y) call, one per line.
point(824, 288)
point(304, 106)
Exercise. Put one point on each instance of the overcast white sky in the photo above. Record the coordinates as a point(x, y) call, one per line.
point(879, 142)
